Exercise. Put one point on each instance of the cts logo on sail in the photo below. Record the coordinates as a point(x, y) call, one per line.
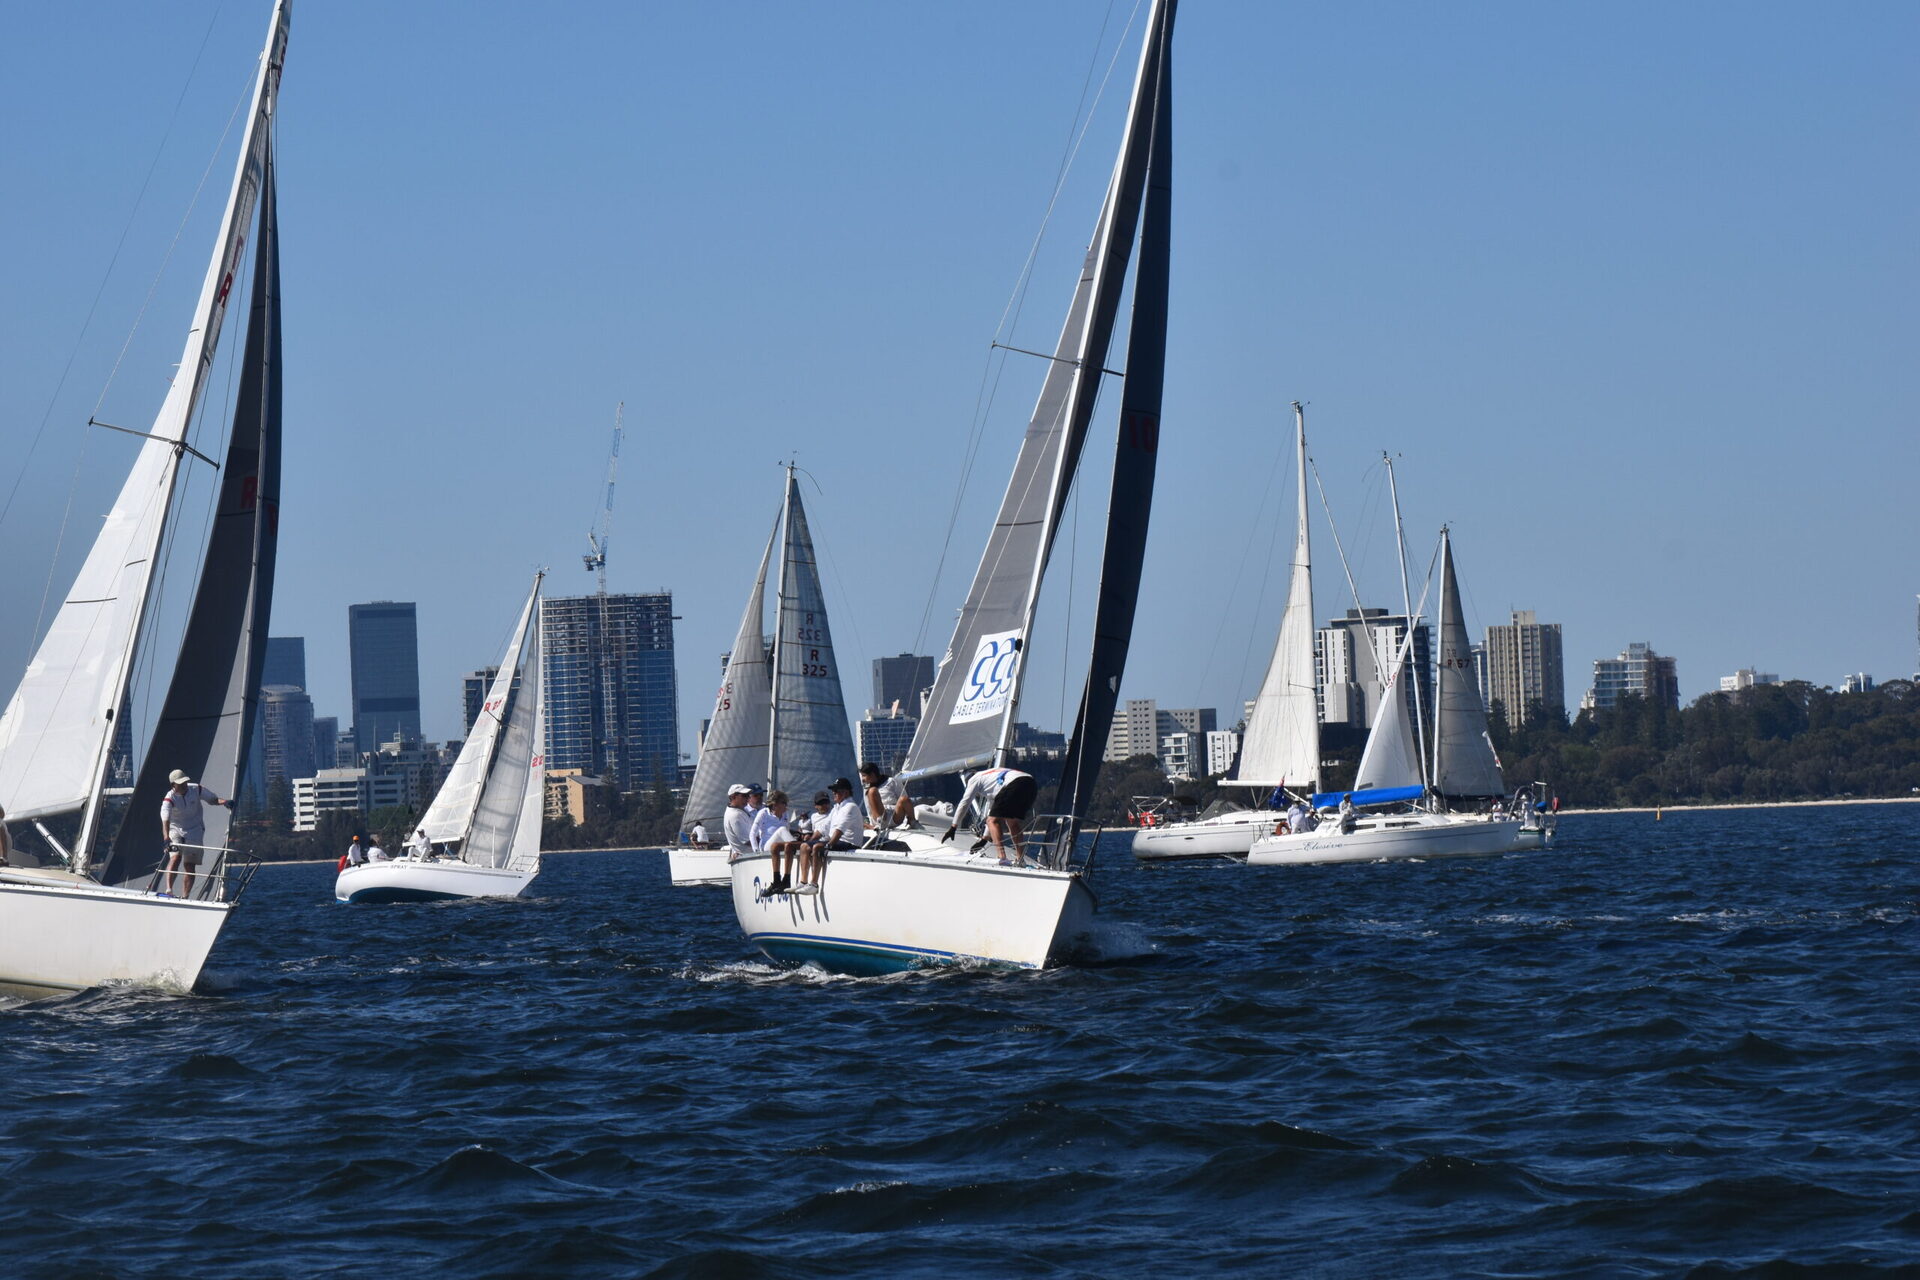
point(988, 684)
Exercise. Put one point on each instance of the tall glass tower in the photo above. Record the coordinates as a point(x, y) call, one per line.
point(612, 700)
point(385, 645)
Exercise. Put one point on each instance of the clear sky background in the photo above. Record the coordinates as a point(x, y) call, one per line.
point(1631, 290)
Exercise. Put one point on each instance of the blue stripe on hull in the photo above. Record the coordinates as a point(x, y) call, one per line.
point(860, 959)
point(401, 895)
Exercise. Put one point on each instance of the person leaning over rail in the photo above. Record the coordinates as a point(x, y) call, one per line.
point(183, 830)
point(1006, 797)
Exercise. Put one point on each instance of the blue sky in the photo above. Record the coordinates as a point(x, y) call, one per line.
point(1631, 290)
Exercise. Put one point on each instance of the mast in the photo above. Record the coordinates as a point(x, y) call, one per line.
point(971, 713)
point(1406, 611)
point(117, 580)
point(779, 626)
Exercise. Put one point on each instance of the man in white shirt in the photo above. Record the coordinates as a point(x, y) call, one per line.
point(1005, 797)
point(699, 834)
point(183, 830)
point(738, 823)
point(356, 853)
point(888, 804)
point(419, 846)
point(845, 829)
point(773, 836)
point(377, 854)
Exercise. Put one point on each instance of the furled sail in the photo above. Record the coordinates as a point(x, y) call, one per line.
point(1282, 743)
point(971, 713)
point(735, 748)
point(501, 812)
point(212, 705)
point(450, 817)
point(1463, 759)
point(59, 725)
point(812, 744)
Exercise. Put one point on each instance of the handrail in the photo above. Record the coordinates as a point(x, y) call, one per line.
point(231, 872)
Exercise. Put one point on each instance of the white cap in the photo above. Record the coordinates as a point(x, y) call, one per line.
point(739, 789)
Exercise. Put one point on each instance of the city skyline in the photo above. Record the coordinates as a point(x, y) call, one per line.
point(1615, 336)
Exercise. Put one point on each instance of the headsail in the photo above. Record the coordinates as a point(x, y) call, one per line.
point(60, 723)
point(1463, 759)
point(812, 744)
point(971, 713)
point(1391, 758)
point(735, 748)
point(501, 811)
point(1282, 743)
point(207, 721)
point(449, 819)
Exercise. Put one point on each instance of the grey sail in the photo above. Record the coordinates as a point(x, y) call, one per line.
point(812, 743)
point(1137, 448)
point(735, 747)
point(207, 720)
point(502, 810)
point(1463, 759)
point(970, 715)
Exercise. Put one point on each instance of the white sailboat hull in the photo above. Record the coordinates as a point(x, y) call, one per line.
point(1229, 835)
point(883, 912)
point(405, 880)
point(1423, 835)
point(67, 936)
point(698, 866)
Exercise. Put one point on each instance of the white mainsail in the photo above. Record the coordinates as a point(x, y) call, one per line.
point(811, 743)
point(60, 723)
point(449, 819)
point(1463, 759)
point(735, 748)
point(1282, 743)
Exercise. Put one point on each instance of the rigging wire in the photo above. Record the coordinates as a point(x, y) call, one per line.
point(994, 368)
point(1239, 575)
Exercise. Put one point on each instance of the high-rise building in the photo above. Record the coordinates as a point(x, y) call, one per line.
point(285, 733)
point(884, 738)
point(900, 680)
point(286, 662)
point(1223, 750)
point(1858, 682)
point(473, 694)
point(612, 706)
point(1346, 698)
point(1183, 754)
point(1637, 672)
point(1746, 678)
point(1140, 727)
point(1524, 667)
point(326, 738)
point(383, 639)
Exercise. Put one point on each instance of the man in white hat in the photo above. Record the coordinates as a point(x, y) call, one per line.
point(738, 823)
point(183, 827)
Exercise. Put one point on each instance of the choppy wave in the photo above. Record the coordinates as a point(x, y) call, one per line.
point(1657, 1050)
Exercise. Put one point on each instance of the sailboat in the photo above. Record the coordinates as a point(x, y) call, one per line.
point(906, 898)
point(1281, 747)
point(1397, 814)
point(484, 822)
point(86, 906)
point(782, 717)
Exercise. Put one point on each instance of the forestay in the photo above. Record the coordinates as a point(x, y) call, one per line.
point(812, 744)
point(1463, 759)
point(735, 747)
point(59, 725)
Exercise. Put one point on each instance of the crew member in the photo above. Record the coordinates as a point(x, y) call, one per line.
point(183, 829)
point(1006, 797)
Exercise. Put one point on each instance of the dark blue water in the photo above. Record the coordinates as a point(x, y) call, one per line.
point(1660, 1048)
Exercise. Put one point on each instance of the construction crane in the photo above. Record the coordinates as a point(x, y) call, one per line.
point(596, 557)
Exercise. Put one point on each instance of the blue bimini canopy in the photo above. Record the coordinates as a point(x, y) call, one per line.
point(1363, 799)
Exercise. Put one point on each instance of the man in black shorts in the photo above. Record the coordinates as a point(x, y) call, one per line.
point(1006, 796)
